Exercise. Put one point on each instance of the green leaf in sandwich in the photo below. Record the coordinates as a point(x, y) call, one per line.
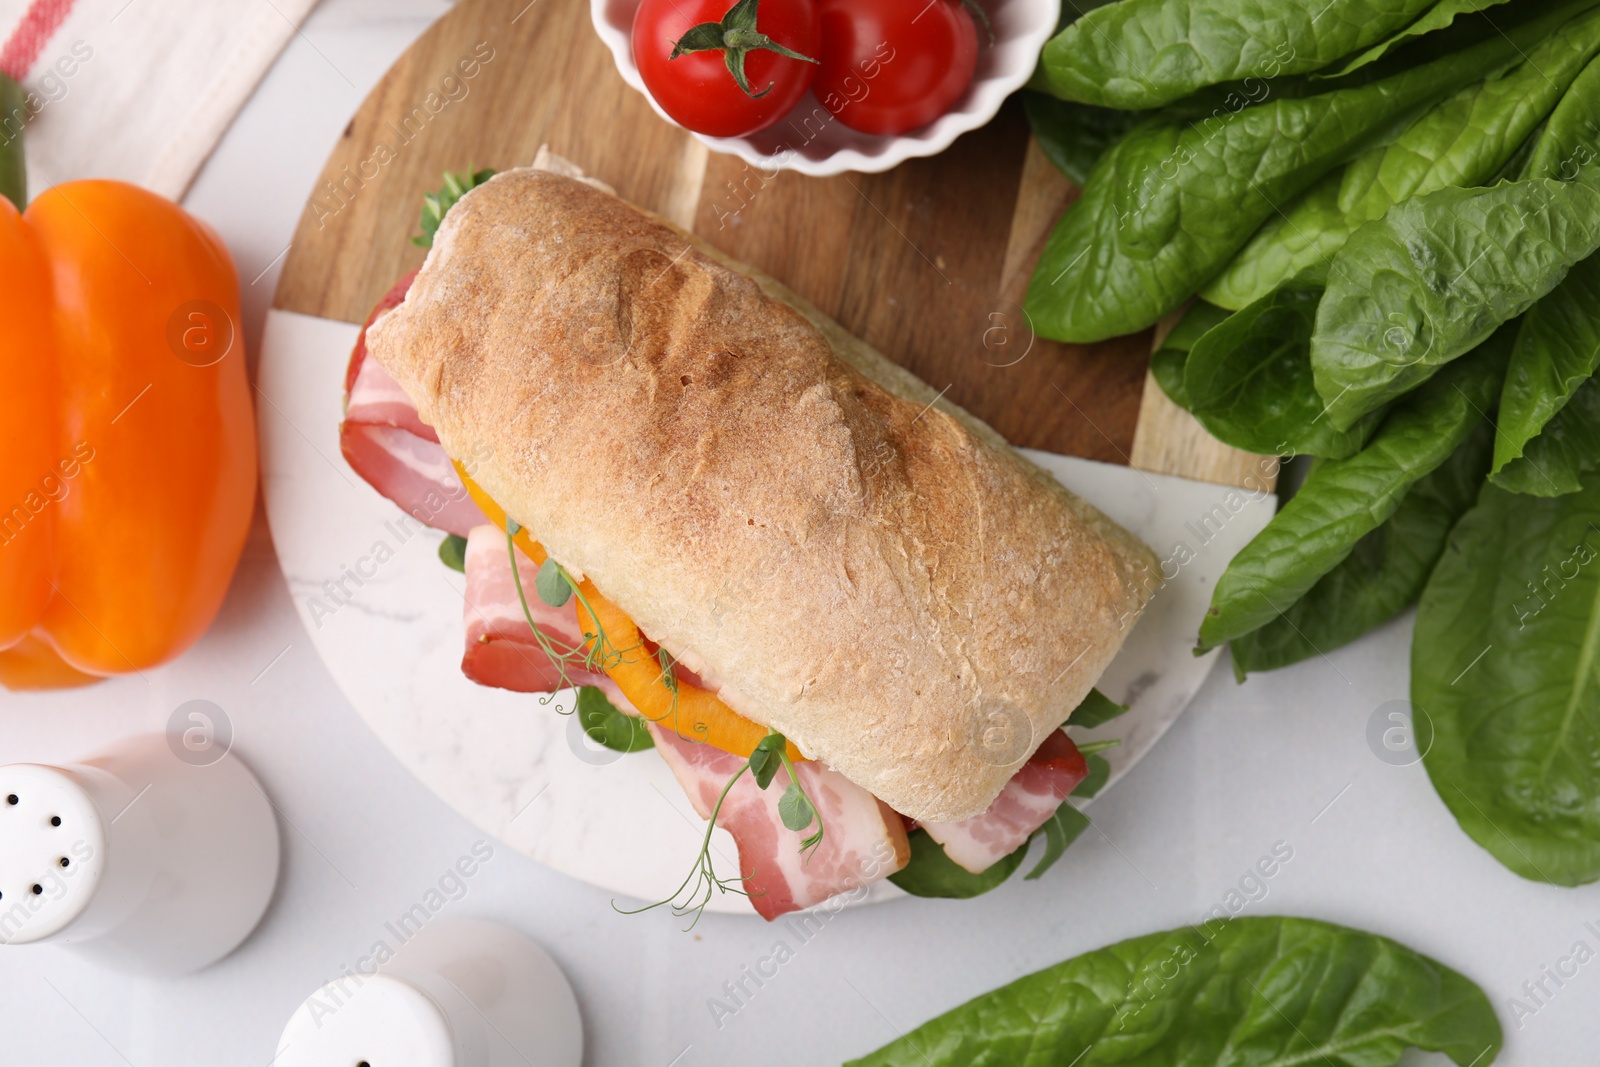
point(606, 725)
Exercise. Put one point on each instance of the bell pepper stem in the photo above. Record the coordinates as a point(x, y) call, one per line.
point(13, 167)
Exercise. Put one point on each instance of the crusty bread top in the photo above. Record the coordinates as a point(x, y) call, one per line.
point(878, 578)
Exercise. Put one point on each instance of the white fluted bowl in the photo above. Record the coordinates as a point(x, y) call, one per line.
point(827, 147)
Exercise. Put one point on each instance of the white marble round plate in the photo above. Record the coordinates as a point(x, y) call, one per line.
point(386, 617)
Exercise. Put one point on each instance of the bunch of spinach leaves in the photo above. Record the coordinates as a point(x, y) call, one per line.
point(1390, 213)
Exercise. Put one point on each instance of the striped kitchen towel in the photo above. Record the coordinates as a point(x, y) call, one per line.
point(140, 90)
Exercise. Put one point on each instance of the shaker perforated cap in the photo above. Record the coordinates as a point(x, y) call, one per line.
point(378, 1021)
point(52, 852)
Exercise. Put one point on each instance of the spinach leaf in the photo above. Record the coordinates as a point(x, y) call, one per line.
point(1342, 501)
point(1096, 709)
point(1167, 362)
point(607, 726)
point(1434, 278)
point(1516, 168)
point(931, 873)
point(1259, 990)
point(1060, 831)
point(1248, 380)
point(1073, 10)
point(1464, 140)
point(1072, 136)
point(453, 552)
point(1149, 53)
point(1503, 675)
point(1557, 351)
point(1099, 775)
point(1307, 235)
point(1172, 357)
point(1439, 17)
point(1571, 138)
point(1383, 574)
point(1169, 204)
point(1568, 447)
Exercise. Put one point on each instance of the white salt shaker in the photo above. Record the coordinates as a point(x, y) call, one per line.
point(143, 859)
point(458, 994)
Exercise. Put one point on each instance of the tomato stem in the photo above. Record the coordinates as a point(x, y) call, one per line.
point(13, 166)
point(735, 37)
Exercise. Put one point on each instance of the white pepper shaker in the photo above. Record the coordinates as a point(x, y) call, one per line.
point(459, 993)
point(142, 859)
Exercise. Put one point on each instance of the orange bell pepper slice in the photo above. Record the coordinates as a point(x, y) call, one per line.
point(127, 429)
point(694, 713)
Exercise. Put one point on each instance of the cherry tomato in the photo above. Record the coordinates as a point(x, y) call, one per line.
point(697, 87)
point(889, 66)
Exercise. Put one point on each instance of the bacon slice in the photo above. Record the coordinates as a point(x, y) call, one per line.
point(413, 473)
point(865, 839)
point(1028, 800)
point(501, 650)
point(387, 443)
point(375, 398)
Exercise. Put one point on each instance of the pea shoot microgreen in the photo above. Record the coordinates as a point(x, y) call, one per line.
point(669, 671)
point(545, 642)
point(702, 879)
point(602, 655)
point(669, 678)
point(596, 653)
point(795, 808)
point(764, 762)
point(551, 584)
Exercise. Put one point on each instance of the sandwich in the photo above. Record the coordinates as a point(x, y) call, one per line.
point(840, 607)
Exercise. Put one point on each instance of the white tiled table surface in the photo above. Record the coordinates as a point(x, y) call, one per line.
point(1283, 758)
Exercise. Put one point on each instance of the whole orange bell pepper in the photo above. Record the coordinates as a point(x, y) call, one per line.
point(127, 436)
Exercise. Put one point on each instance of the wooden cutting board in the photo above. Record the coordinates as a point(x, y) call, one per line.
point(928, 262)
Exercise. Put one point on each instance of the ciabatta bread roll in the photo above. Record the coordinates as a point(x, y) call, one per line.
point(872, 573)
